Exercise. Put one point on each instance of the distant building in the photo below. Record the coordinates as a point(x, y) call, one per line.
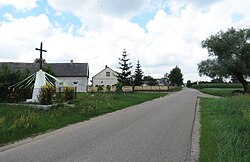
point(72, 74)
point(106, 77)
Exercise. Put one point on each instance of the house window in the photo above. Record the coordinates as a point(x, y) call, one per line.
point(107, 74)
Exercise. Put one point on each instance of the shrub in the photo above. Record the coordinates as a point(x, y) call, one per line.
point(18, 95)
point(69, 93)
point(99, 88)
point(46, 94)
point(108, 88)
point(119, 86)
point(65, 94)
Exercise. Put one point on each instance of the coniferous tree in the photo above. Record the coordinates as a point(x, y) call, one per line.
point(138, 75)
point(125, 76)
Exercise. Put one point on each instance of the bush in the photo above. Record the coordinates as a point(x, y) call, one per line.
point(108, 88)
point(19, 95)
point(69, 93)
point(65, 94)
point(119, 86)
point(46, 94)
point(99, 88)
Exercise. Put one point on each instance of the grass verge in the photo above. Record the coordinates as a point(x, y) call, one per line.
point(175, 89)
point(225, 129)
point(19, 122)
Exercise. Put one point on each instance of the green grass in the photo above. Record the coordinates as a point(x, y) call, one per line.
point(225, 92)
point(19, 122)
point(225, 129)
point(175, 89)
point(217, 85)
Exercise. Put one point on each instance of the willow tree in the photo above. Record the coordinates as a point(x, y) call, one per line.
point(229, 56)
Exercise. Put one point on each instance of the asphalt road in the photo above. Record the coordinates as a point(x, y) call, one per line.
point(158, 130)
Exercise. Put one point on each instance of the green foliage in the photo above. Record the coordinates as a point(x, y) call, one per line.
point(18, 95)
point(18, 121)
point(65, 94)
point(108, 88)
point(225, 127)
point(125, 66)
point(45, 95)
point(8, 78)
point(138, 75)
point(175, 76)
point(99, 88)
point(148, 80)
point(189, 84)
point(49, 70)
point(230, 52)
point(69, 93)
point(118, 86)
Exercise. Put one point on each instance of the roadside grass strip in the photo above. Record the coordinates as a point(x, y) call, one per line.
point(225, 129)
point(18, 121)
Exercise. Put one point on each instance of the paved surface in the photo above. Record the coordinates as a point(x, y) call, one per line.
point(159, 130)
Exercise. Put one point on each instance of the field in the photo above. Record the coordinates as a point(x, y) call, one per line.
point(217, 85)
point(19, 122)
point(219, 89)
point(225, 129)
point(225, 92)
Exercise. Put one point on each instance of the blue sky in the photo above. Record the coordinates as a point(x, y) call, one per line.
point(159, 33)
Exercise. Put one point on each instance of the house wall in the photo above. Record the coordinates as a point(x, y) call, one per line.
point(102, 79)
point(81, 82)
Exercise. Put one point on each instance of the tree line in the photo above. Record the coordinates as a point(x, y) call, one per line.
point(126, 78)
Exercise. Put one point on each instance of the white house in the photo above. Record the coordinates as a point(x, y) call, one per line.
point(106, 77)
point(72, 74)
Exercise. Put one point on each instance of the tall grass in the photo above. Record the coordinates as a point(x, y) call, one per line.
point(18, 122)
point(225, 129)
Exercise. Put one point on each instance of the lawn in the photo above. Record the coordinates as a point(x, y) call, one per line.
point(19, 122)
point(225, 129)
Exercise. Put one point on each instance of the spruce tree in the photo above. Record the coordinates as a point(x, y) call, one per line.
point(125, 76)
point(138, 75)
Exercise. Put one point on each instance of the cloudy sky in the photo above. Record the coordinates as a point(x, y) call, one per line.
point(159, 33)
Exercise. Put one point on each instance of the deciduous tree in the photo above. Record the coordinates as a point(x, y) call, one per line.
point(175, 76)
point(230, 53)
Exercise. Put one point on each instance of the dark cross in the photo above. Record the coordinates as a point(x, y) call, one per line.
point(41, 54)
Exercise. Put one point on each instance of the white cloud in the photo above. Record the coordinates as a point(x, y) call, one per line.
point(22, 5)
point(19, 36)
point(171, 39)
point(94, 7)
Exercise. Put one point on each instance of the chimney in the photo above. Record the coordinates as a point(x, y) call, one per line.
point(71, 61)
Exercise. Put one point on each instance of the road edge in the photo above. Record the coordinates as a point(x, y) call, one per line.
point(195, 145)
